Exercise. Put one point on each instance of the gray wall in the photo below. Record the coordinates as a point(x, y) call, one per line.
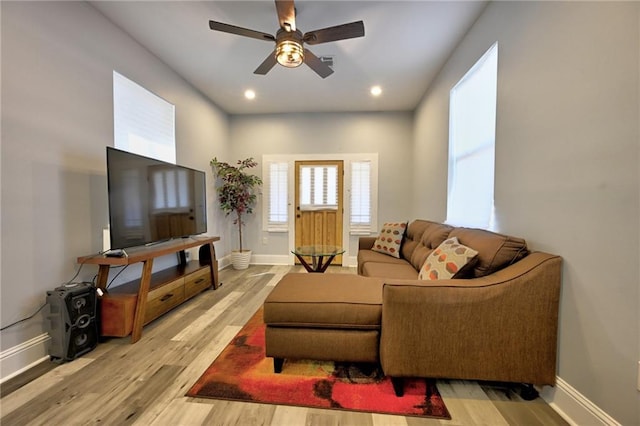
point(57, 118)
point(388, 134)
point(567, 178)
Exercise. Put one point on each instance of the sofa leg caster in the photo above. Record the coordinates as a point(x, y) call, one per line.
point(277, 365)
point(528, 392)
point(398, 386)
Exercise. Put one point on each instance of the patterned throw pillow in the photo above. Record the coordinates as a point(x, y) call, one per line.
point(390, 239)
point(448, 261)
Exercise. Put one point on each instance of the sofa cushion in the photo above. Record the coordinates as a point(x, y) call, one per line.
point(390, 239)
point(415, 230)
point(434, 234)
point(413, 237)
point(338, 301)
point(402, 270)
point(495, 251)
point(367, 256)
point(449, 260)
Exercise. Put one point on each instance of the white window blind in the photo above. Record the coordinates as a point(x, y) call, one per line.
point(360, 202)
point(277, 187)
point(319, 187)
point(472, 124)
point(143, 123)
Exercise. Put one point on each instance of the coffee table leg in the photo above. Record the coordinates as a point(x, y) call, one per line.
point(322, 268)
point(304, 263)
point(318, 263)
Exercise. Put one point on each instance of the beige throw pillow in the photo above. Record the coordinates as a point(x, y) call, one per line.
point(390, 238)
point(449, 260)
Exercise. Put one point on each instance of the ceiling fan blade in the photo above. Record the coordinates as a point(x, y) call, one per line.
point(232, 29)
point(322, 69)
point(267, 64)
point(286, 14)
point(339, 32)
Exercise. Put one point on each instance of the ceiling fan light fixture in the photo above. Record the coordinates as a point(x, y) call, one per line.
point(289, 53)
point(289, 50)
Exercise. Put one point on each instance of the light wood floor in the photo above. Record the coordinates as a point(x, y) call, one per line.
point(119, 383)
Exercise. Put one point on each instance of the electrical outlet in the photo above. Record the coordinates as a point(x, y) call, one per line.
point(265, 240)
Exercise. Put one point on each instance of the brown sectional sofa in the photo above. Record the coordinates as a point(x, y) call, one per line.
point(495, 251)
point(499, 323)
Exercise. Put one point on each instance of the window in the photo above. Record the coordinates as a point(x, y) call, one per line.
point(360, 202)
point(277, 210)
point(143, 123)
point(318, 187)
point(472, 125)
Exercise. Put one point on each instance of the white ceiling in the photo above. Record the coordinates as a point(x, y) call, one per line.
point(405, 44)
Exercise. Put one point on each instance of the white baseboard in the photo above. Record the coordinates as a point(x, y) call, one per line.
point(223, 262)
point(257, 259)
point(574, 407)
point(22, 357)
point(270, 259)
point(279, 259)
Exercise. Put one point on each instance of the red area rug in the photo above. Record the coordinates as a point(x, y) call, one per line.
point(243, 373)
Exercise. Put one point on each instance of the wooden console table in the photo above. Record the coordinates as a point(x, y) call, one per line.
point(145, 255)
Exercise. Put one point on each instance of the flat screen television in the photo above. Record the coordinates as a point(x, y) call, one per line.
point(152, 201)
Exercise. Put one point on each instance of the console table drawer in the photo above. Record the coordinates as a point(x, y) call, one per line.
point(163, 299)
point(196, 282)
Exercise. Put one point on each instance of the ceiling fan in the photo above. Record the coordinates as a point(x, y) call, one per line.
point(290, 51)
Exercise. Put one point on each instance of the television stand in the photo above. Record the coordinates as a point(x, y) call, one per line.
point(130, 306)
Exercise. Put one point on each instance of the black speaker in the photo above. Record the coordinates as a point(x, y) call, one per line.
point(72, 321)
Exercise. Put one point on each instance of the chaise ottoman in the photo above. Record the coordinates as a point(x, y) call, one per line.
point(329, 317)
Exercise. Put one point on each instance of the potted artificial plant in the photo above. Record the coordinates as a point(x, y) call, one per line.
point(236, 194)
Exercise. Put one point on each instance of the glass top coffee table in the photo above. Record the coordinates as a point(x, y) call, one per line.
point(321, 256)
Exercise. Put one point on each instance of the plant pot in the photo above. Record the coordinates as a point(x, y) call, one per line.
point(240, 259)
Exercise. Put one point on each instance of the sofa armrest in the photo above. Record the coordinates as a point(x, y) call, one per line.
point(366, 243)
point(500, 327)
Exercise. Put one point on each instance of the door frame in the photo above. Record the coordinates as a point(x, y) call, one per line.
point(347, 260)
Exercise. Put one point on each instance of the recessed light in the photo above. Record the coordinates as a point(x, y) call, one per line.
point(376, 90)
point(249, 94)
